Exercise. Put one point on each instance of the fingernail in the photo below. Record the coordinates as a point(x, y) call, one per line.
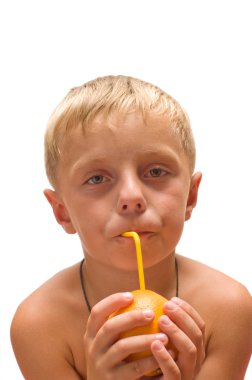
point(161, 337)
point(148, 313)
point(157, 346)
point(128, 296)
point(165, 320)
point(176, 300)
point(170, 306)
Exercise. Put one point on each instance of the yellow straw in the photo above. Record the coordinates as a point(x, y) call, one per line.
point(136, 238)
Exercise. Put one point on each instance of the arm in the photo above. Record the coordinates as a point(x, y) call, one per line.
point(106, 352)
point(230, 346)
point(39, 350)
point(42, 352)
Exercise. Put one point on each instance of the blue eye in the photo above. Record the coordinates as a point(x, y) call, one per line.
point(96, 179)
point(157, 172)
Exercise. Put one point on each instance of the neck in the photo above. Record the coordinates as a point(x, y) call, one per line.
point(161, 278)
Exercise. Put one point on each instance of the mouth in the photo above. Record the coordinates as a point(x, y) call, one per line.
point(141, 234)
point(144, 233)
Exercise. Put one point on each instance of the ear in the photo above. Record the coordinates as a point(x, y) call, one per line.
point(60, 211)
point(193, 194)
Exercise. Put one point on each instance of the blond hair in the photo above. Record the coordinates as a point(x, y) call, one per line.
point(107, 94)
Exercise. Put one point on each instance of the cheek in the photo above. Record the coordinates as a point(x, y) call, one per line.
point(90, 222)
point(172, 211)
point(172, 205)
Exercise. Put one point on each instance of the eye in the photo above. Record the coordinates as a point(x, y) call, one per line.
point(96, 179)
point(157, 172)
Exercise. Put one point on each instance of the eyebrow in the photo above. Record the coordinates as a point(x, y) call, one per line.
point(148, 152)
point(90, 160)
point(165, 153)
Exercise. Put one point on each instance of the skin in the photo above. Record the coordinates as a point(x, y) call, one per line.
point(126, 174)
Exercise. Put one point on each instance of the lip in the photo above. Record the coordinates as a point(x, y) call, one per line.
point(142, 234)
point(143, 230)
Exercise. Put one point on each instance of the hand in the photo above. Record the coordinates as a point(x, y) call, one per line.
point(106, 352)
point(185, 329)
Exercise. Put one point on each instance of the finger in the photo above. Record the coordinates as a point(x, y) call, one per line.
point(184, 321)
point(189, 321)
point(166, 363)
point(199, 321)
point(187, 351)
point(190, 311)
point(103, 309)
point(110, 332)
point(133, 345)
point(138, 369)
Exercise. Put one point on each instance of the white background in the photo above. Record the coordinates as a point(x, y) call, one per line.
point(198, 51)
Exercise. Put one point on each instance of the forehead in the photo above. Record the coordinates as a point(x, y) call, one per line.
point(121, 135)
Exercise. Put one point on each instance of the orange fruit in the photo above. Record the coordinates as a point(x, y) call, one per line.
point(144, 299)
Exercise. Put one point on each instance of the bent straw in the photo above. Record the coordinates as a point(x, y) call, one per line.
point(136, 238)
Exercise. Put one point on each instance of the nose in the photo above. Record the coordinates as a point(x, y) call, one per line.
point(131, 199)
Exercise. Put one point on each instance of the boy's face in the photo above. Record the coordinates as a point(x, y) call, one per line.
point(124, 174)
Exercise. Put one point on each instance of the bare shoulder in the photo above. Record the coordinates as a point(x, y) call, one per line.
point(205, 283)
point(213, 292)
point(42, 326)
point(226, 306)
point(209, 278)
point(49, 300)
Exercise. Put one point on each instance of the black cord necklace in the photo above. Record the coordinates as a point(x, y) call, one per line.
point(85, 294)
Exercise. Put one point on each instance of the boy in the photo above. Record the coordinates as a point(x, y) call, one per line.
point(120, 156)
